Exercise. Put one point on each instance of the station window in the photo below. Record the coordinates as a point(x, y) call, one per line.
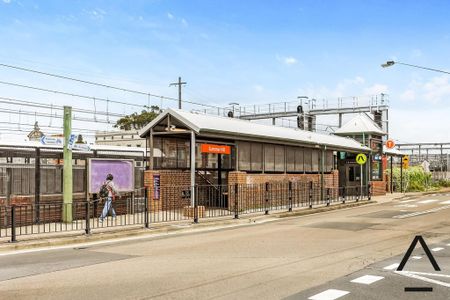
point(354, 173)
point(250, 156)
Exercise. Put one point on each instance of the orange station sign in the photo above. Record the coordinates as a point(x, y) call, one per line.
point(390, 144)
point(217, 149)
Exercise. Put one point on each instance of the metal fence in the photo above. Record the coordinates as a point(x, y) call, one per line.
point(171, 204)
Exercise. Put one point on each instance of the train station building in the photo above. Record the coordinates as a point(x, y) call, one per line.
point(200, 149)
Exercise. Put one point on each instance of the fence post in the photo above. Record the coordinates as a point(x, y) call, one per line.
point(87, 218)
point(236, 201)
point(328, 196)
point(13, 224)
point(266, 202)
point(358, 193)
point(290, 195)
point(195, 205)
point(146, 208)
point(310, 194)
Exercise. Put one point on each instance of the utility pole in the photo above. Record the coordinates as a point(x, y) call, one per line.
point(67, 171)
point(179, 83)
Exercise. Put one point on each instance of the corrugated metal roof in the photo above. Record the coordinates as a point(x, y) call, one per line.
point(359, 124)
point(394, 151)
point(203, 124)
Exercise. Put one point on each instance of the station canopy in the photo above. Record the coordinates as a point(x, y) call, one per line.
point(224, 127)
point(359, 125)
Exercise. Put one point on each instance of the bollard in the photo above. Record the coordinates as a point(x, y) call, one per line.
point(266, 202)
point(87, 230)
point(195, 205)
point(357, 194)
point(236, 201)
point(369, 192)
point(310, 194)
point(146, 208)
point(343, 195)
point(290, 195)
point(13, 224)
point(328, 196)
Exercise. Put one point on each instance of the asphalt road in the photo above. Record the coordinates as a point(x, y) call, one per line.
point(308, 257)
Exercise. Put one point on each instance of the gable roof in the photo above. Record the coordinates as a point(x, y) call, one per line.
point(358, 125)
point(243, 129)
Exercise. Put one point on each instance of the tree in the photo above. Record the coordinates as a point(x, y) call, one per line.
point(137, 121)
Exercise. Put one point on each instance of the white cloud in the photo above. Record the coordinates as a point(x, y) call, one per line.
point(376, 89)
point(345, 89)
point(96, 14)
point(170, 16)
point(437, 89)
point(184, 23)
point(408, 95)
point(288, 60)
point(7, 1)
point(419, 125)
point(434, 91)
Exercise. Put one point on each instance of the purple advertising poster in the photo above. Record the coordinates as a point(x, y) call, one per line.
point(121, 169)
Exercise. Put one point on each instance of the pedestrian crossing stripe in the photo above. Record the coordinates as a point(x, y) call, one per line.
point(361, 158)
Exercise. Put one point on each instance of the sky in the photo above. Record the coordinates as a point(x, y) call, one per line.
point(248, 52)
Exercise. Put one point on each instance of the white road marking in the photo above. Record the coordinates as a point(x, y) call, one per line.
point(407, 201)
point(330, 294)
point(428, 274)
point(406, 205)
point(367, 279)
point(418, 213)
point(427, 201)
point(416, 257)
point(445, 202)
point(392, 267)
point(149, 236)
point(437, 249)
point(426, 279)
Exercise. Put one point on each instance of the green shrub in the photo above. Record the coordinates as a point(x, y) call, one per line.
point(414, 179)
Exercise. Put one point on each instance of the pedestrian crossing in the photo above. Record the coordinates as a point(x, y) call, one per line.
point(348, 286)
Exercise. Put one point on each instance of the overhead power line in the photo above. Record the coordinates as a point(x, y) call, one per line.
point(59, 128)
point(18, 102)
point(69, 94)
point(47, 115)
point(100, 84)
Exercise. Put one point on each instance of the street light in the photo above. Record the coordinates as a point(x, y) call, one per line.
point(391, 63)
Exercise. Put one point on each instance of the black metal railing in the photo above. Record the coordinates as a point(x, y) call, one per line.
point(172, 204)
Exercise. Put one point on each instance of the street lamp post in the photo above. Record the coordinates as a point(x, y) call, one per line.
point(390, 63)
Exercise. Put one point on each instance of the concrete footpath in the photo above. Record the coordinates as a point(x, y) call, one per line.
point(163, 230)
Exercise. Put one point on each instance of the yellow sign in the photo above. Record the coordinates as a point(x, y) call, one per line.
point(405, 162)
point(361, 158)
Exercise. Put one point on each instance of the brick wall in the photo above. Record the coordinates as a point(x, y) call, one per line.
point(254, 185)
point(173, 192)
point(378, 188)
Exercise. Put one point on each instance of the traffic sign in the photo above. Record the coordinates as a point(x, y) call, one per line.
point(361, 158)
point(71, 142)
point(81, 147)
point(49, 140)
point(390, 144)
point(405, 161)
